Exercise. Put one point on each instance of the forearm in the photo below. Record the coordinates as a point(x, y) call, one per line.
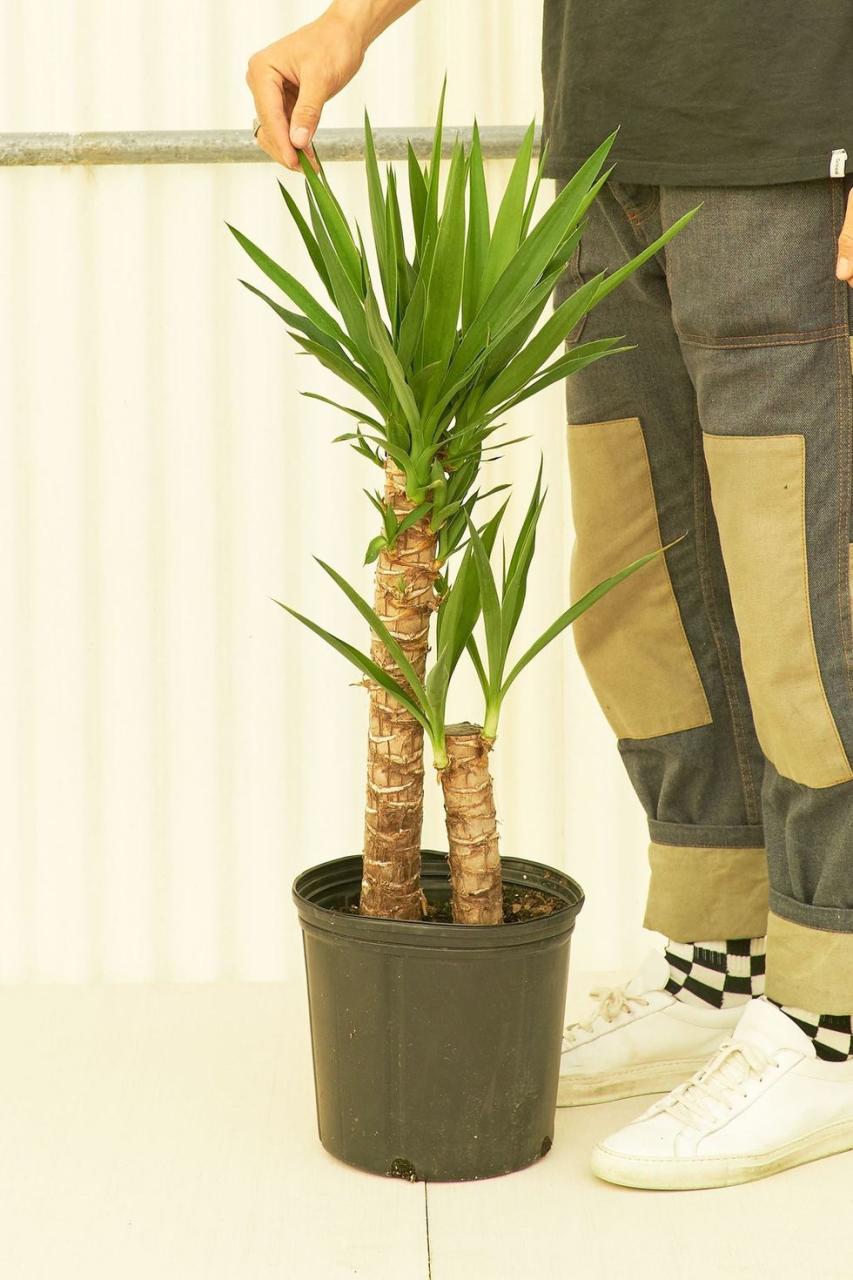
point(370, 17)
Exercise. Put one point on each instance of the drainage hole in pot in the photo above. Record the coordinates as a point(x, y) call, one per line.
point(401, 1168)
point(547, 1144)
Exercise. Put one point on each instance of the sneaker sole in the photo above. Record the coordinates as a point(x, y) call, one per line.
point(703, 1174)
point(632, 1082)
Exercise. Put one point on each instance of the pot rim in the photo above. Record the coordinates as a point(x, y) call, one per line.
point(341, 877)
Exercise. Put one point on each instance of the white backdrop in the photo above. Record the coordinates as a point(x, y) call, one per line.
point(162, 723)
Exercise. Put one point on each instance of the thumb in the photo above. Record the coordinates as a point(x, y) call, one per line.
point(307, 110)
point(844, 264)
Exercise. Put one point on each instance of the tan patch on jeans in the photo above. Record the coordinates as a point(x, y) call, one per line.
point(706, 892)
point(809, 968)
point(758, 491)
point(632, 642)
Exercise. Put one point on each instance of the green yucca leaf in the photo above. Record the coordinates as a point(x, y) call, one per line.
point(389, 521)
point(412, 324)
point(613, 281)
point(524, 321)
point(444, 291)
point(575, 611)
point(296, 321)
point(417, 195)
point(457, 617)
point(430, 222)
point(378, 336)
point(534, 193)
point(406, 274)
point(577, 358)
point(490, 605)
point(390, 273)
point(358, 414)
point(506, 234)
point(515, 588)
point(479, 230)
point(517, 374)
point(352, 308)
point(308, 238)
point(291, 287)
point(336, 225)
point(531, 259)
point(374, 547)
point(376, 500)
point(344, 369)
point(480, 670)
point(364, 664)
point(377, 626)
point(375, 193)
point(413, 516)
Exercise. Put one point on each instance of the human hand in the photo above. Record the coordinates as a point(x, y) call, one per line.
point(293, 79)
point(844, 261)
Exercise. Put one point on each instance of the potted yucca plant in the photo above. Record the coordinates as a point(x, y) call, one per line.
point(436, 1046)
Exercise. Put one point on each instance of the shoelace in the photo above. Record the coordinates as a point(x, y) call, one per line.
point(697, 1101)
point(611, 1002)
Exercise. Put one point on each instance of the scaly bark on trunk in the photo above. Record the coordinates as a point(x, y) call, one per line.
point(469, 803)
point(405, 601)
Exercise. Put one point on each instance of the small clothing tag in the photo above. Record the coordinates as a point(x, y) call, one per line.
point(838, 163)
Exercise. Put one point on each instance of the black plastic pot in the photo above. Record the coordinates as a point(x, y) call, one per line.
point(436, 1046)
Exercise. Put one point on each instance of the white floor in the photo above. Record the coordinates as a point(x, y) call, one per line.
point(168, 1133)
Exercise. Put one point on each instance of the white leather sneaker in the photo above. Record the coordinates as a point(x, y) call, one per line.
point(765, 1102)
point(639, 1039)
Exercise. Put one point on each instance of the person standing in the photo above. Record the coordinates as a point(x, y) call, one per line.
point(726, 669)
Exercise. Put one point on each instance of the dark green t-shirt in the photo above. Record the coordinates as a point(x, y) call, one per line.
point(721, 92)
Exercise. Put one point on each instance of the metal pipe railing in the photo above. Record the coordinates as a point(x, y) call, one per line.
point(232, 146)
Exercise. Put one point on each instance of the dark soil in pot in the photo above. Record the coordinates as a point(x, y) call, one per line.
point(437, 1046)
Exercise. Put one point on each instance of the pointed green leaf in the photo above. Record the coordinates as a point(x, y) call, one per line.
point(308, 238)
point(434, 178)
point(382, 344)
point(335, 223)
point(506, 234)
point(518, 373)
point(575, 611)
point(479, 230)
point(358, 414)
point(291, 288)
point(613, 281)
point(417, 195)
point(381, 631)
point(364, 664)
point(444, 292)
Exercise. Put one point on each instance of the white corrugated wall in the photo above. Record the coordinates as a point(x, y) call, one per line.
point(172, 748)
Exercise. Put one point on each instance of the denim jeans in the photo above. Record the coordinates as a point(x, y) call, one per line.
point(726, 666)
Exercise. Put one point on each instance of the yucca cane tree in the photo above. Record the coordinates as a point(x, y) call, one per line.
point(437, 352)
point(461, 751)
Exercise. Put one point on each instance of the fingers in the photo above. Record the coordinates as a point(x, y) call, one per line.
point(844, 264)
point(268, 91)
point(307, 111)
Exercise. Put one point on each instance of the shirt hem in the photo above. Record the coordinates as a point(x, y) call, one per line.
point(673, 174)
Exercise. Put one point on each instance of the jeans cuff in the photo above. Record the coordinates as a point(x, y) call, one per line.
point(689, 836)
point(810, 966)
point(701, 892)
point(829, 919)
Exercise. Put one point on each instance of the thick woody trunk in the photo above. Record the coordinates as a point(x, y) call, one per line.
point(469, 803)
point(404, 600)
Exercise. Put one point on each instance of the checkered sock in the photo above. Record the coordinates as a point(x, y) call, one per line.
point(721, 974)
point(831, 1033)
